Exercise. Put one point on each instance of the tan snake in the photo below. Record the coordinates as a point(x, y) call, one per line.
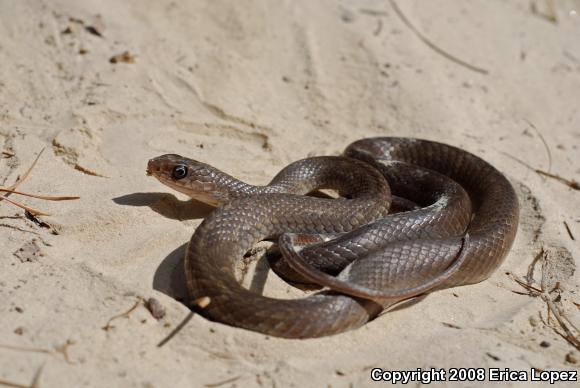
point(460, 220)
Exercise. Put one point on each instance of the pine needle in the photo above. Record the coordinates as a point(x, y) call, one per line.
point(45, 197)
point(22, 178)
point(12, 190)
point(27, 208)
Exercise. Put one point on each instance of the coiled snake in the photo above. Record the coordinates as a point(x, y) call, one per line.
point(459, 219)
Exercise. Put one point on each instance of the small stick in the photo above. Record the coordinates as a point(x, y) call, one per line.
point(9, 384)
point(431, 44)
point(12, 190)
point(570, 337)
point(527, 286)
point(36, 378)
point(543, 141)
point(542, 318)
point(45, 197)
point(176, 330)
point(569, 231)
point(568, 182)
point(19, 181)
point(125, 314)
point(22, 178)
point(564, 316)
point(518, 160)
point(28, 209)
point(23, 349)
point(561, 318)
point(85, 170)
point(222, 382)
point(532, 266)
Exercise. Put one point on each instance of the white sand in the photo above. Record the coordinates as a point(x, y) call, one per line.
point(249, 87)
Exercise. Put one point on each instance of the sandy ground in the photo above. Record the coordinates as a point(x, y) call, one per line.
point(249, 87)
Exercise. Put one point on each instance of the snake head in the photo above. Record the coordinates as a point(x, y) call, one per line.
point(195, 179)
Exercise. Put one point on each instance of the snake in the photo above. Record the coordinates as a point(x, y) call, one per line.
point(458, 221)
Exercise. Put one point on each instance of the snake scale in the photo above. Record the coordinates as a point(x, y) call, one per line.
point(456, 221)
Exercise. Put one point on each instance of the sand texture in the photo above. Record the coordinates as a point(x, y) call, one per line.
point(250, 86)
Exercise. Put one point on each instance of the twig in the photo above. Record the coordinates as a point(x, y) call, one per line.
point(528, 287)
point(532, 266)
point(36, 378)
point(28, 209)
point(8, 154)
point(568, 182)
point(12, 190)
point(176, 330)
point(9, 384)
point(45, 197)
point(543, 141)
point(431, 44)
point(23, 349)
point(23, 177)
point(563, 321)
point(19, 181)
point(87, 171)
point(570, 337)
point(569, 231)
point(518, 160)
point(125, 314)
point(570, 322)
point(212, 385)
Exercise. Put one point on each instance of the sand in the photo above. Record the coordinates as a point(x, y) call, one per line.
point(249, 87)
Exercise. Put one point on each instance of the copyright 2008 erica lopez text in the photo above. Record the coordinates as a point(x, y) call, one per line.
point(433, 375)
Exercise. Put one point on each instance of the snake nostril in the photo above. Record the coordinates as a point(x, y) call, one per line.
point(150, 168)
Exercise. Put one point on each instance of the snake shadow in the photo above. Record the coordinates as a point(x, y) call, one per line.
point(170, 278)
point(167, 205)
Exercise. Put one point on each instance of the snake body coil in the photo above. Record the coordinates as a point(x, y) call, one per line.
point(458, 234)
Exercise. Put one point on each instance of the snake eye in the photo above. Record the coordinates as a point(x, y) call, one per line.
point(179, 172)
